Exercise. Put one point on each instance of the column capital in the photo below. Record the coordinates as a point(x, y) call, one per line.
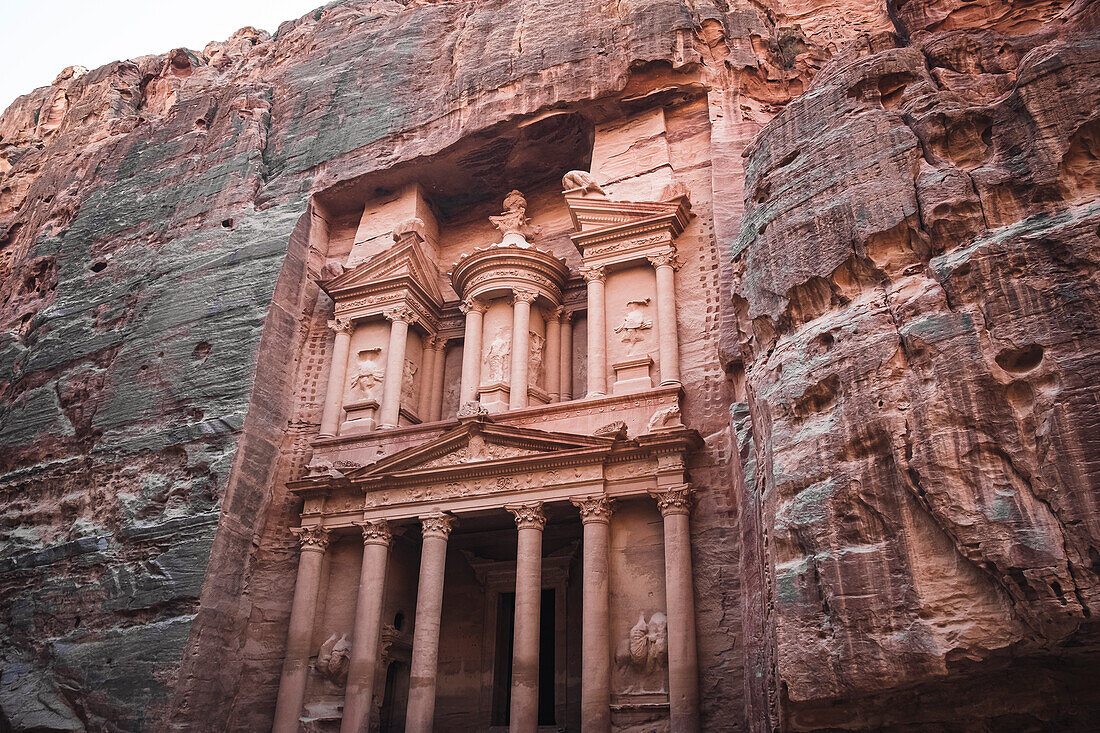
point(474, 305)
point(593, 508)
point(312, 538)
point(528, 516)
point(437, 343)
point(665, 259)
point(402, 313)
point(674, 500)
point(592, 274)
point(437, 525)
point(376, 532)
point(524, 296)
point(554, 314)
point(342, 325)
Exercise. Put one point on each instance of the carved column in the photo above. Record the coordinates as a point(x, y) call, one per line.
point(337, 376)
point(429, 608)
point(566, 357)
point(524, 711)
point(427, 378)
point(363, 666)
point(595, 616)
point(597, 327)
point(669, 342)
point(553, 353)
point(390, 412)
point(683, 665)
point(439, 357)
point(471, 350)
point(521, 347)
point(292, 684)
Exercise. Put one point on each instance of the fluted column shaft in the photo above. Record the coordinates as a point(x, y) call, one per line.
point(597, 327)
point(337, 376)
point(427, 380)
point(471, 350)
point(439, 356)
point(553, 354)
point(595, 615)
point(521, 348)
point(566, 357)
point(429, 610)
point(390, 412)
point(683, 664)
point(524, 710)
point(292, 684)
point(363, 666)
point(668, 339)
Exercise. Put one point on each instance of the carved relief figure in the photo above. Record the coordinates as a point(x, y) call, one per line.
point(667, 417)
point(633, 323)
point(333, 659)
point(513, 220)
point(497, 364)
point(407, 383)
point(643, 655)
point(367, 377)
point(535, 351)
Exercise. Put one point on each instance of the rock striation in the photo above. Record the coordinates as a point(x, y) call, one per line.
point(901, 200)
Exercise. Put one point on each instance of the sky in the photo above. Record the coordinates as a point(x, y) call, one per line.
point(39, 38)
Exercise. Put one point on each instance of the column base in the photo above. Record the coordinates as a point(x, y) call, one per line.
point(632, 376)
point(494, 397)
point(361, 415)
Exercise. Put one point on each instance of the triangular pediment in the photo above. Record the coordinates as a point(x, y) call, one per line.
point(476, 443)
point(405, 261)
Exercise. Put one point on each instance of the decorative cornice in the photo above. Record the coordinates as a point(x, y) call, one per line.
point(524, 296)
point(376, 532)
point(342, 325)
point(593, 509)
point(528, 516)
point(437, 525)
point(591, 274)
point(676, 500)
point(312, 538)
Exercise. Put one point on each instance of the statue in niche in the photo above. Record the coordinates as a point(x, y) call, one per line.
point(367, 377)
point(407, 382)
point(334, 658)
point(513, 220)
point(634, 322)
point(534, 361)
point(497, 364)
point(643, 656)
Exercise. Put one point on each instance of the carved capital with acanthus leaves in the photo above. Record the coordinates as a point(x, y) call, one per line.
point(524, 296)
point(528, 516)
point(593, 509)
point(472, 305)
point(665, 259)
point(437, 525)
point(674, 500)
point(376, 532)
point(592, 274)
point(554, 314)
point(436, 343)
point(312, 538)
point(342, 325)
point(402, 313)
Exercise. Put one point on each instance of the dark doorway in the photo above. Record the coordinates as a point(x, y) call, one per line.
point(391, 717)
point(502, 668)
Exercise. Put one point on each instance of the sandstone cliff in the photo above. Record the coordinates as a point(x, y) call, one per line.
point(909, 328)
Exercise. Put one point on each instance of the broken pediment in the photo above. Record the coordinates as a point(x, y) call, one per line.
point(403, 264)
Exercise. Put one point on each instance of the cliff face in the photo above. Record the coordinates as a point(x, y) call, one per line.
point(916, 297)
point(909, 325)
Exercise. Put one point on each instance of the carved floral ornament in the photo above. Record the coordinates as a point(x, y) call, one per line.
point(342, 325)
point(665, 259)
point(473, 305)
point(312, 538)
point(524, 296)
point(401, 313)
point(528, 516)
point(592, 274)
point(676, 500)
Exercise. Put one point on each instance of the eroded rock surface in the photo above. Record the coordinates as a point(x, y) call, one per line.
point(916, 297)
